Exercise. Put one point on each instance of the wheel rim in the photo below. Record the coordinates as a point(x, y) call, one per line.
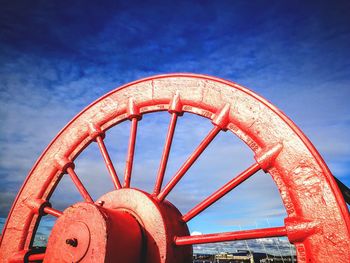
point(318, 221)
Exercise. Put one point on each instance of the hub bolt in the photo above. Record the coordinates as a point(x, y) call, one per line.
point(72, 242)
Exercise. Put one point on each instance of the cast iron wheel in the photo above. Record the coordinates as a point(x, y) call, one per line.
point(317, 224)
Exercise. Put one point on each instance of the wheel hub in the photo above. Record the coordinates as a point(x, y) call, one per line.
point(125, 225)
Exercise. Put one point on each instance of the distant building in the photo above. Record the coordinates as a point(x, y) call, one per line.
point(203, 258)
point(243, 256)
point(283, 259)
point(239, 257)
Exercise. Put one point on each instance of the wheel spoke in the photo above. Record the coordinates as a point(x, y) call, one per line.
point(108, 162)
point(166, 151)
point(36, 257)
point(79, 185)
point(52, 211)
point(131, 152)
point(231, 236)
point(189, 162)
point(222, 191)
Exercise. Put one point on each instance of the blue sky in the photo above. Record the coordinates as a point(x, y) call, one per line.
point(56, 58)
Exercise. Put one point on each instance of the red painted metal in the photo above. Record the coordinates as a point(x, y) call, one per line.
point(108, 162)
point(52, 211)
point(188, 163)
point(165, 155)
point(160, 222)
point(79, 185)
point(221, 192)
point(175, 109)
point(91, 233)
point(131, 152)
point(64, 165)
point(318, 222)
point(134, 115)
point(230, 236)
point(36, 257)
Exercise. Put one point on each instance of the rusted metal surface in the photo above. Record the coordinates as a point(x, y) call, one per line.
point(318, 221)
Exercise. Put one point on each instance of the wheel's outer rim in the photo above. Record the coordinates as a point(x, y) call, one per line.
point(313, 166)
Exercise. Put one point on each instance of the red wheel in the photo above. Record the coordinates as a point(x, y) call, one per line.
point(317, 224)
